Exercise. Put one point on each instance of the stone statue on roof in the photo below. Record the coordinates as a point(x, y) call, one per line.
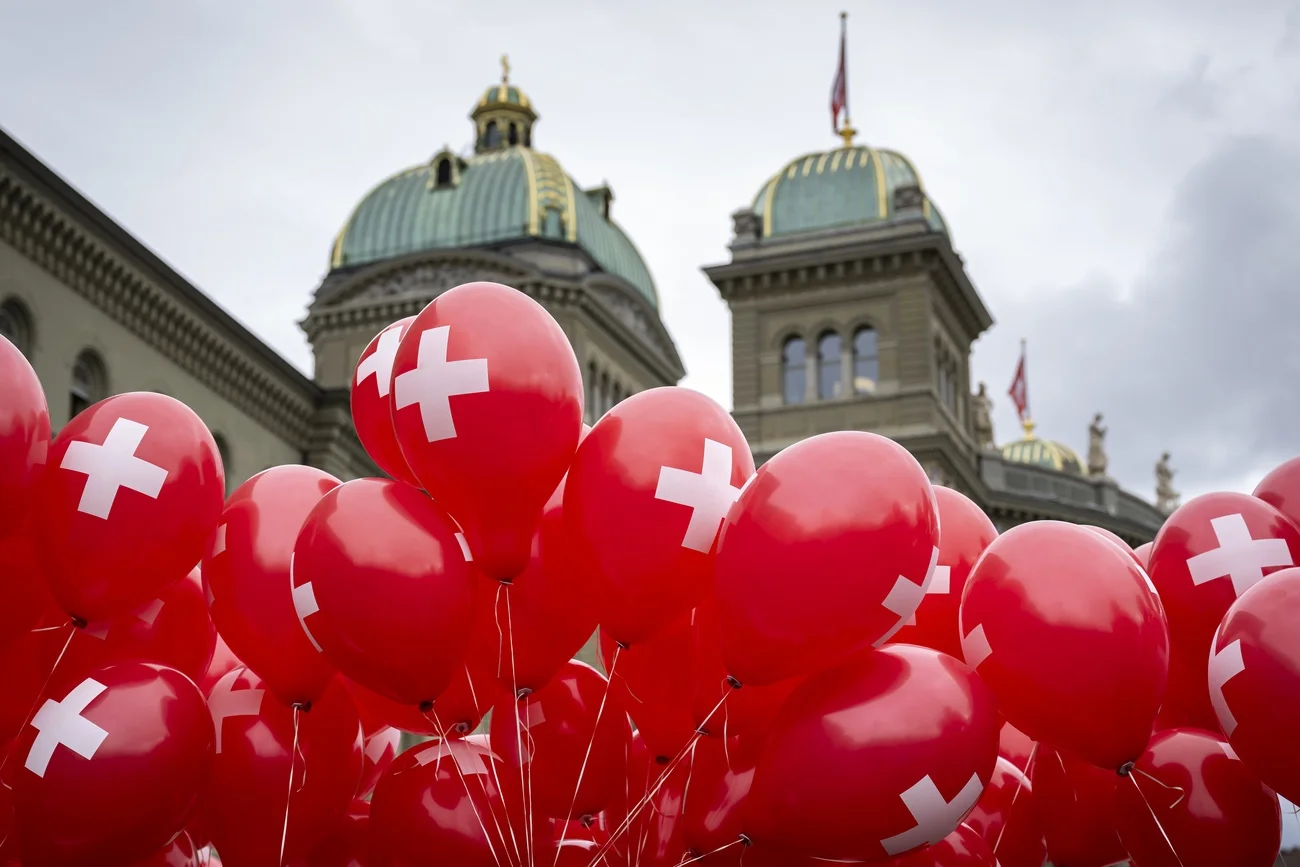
point(982, 417)
point(1167, 499)
point(1097, 460)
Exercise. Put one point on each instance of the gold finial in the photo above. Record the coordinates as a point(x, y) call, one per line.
point(847, 132)
point(505, 69)
point(1028, 424)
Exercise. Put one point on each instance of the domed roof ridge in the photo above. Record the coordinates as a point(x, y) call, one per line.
point(1034, 451)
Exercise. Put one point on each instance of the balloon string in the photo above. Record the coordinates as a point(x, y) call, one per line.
point(582, 769)
point(464, 781)
point(737, 842)
point(496, 778)
point(31, 712)
point(1159, 827)
point(525, 786)
point(1020, 784)
point(1182, 793)
point(288, 798)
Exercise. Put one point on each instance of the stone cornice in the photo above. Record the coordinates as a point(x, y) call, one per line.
point(58, 229)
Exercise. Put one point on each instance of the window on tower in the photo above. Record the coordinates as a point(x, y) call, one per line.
point(866, 361)
point(830, 371)
point(444, 172)
point(794, 370)
point(492, 135)
point(89, 382)
point(514, 135)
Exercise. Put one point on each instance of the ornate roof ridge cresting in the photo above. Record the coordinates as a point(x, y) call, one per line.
point(147, 297)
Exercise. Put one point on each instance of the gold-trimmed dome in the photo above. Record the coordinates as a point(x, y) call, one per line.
point(1042, 453)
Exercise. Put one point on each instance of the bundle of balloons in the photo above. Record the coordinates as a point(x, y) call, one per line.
point(827, 660)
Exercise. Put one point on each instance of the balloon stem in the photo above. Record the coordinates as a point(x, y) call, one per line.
point(1020, 784)
point(1159, 827)
point(293, 761)
point(582, 769)
point(31, 712)
point(469, 796)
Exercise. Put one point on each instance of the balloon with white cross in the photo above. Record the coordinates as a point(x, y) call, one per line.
point(487, 407)
point(24, 437)
point(1212, 549)
point(1062, 626)
point(372, 401)
point(271, 760)
point(1253, 671)
point(132, 493)
point(644, 501)
point(879, 756)
point(247, 576)
point(964, 532)
point(382, 587)
point(113, 764)
point(828, 550)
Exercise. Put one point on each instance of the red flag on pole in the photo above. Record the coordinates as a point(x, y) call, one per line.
point(1019, 390)
point(840, 88)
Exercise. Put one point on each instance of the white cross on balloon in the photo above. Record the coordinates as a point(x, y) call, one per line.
point(226, 701)
point(467, 757)
point(709, 494)
point(906, 596)
point(1224, 666)
point(935, 816)
point(1239, 557)
point(305, 605)
point(112, 466)
point(975, 647)
point(434, 381)
point(60, 723)
point(379, 363)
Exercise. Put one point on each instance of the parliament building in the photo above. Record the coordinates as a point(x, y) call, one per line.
point(850, 310)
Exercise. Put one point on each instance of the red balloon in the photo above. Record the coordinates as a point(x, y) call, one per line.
point(1210, 551)
point(643, 503)
point(133, 492)
point(881, 755)
point(574, 718)
point(1076, 805)
point(829, 549)
point(1254, 677)
point(721, 710)
point(1193, 794)
point(1068, 633)
point(443, 799)
point(1187, 695)
point(719, 779)
point(1005, 817)
point(172, 630)
point(24, 439)
point(372, 402)
point(648, 680)
point(247, 576)
point(25, 600)
point(378, 713)
point(348, 844)
point(381, 583)
point(528, 630)
point(28, 663)
point(1015, 746)
point(223, 662)
point(1143, 553)
point(1281, 490)
point(113, 768)
point(180, 852)
point(1123, 546)
point(487, 406)
point(964, 532)
point(248, 795)
point(379, 751)
point(964, 847)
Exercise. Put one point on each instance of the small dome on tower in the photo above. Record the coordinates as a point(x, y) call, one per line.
point(504, 115)
point(1042, 453)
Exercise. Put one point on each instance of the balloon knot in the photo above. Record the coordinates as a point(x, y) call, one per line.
point(303, 706)
point(1125, 769)
point(523, 693)
point(702, 731)
point(621, 645)
point(587, 820)
point(662, 760)
point(733, 683)
point(506, 581)
point(79, 622)
point(745, 841)
point(461, 728)
point(426, 706)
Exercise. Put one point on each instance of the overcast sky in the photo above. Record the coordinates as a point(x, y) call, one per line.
point(1122, 178)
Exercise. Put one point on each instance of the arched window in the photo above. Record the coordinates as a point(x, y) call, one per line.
point(444, 173)
point(604, 393)
point(223, 449)
point(866, 361)
point(492, 135)
point(89, 382)
point(794, 370)
point(513, 138)
point(830, 372)
point(16, 325)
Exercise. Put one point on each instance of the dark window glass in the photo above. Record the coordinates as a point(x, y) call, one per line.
point(794, 370)
point(866, 361)
point(830, 371)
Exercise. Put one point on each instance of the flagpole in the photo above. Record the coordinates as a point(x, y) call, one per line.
point(1028, 421)
point(847, 132)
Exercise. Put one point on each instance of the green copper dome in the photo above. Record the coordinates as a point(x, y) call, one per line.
point(844, 187)
point(505, 191)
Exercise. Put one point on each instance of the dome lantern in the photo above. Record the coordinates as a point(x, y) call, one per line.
point(503, 117)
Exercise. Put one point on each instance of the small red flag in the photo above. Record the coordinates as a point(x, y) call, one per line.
point(840, 88)
point(1019, 390)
